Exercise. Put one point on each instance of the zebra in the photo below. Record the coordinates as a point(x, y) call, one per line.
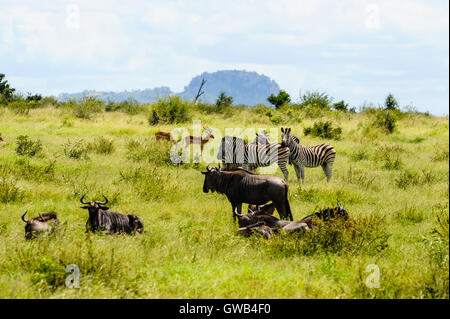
point(313, 156)
point(234, 152)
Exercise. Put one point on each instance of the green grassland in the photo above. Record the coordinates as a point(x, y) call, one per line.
point(394, 186)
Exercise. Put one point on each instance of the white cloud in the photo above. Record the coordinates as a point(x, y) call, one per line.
point(300, 44)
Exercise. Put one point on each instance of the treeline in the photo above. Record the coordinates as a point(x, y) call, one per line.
point(173, 109)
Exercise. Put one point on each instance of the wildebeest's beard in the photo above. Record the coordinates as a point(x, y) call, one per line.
point(208, 185)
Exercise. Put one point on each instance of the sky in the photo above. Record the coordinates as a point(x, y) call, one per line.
point(355, 50)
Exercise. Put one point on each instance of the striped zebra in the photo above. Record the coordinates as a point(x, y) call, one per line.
point(234, 152)
point(304, 156)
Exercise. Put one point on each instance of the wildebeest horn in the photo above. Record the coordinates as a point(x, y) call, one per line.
point(252, 211)
point(339, 205)
point(42, 218)
point(208, 168)
point(81, 200)
point(23, 217)
point(103, 203)
point(236, 213)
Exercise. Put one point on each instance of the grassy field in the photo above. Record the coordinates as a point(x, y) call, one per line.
point(394, 186)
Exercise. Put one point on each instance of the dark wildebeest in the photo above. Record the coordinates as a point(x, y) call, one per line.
point(102, 219)
point(260, 228)
point(44, 223)
point(261, 209)
point(253, 220)
point(325, 215)
point(241, 186)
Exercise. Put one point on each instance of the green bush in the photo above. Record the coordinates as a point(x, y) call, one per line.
point(170, 109)
point(130, 106)
point(324, 130)
point(365, 235)
point(385, 119)
point(101, 145)
point(9, 191)
point(86, 107)
point(25, 146)
point(318, 99)
point(76, 150)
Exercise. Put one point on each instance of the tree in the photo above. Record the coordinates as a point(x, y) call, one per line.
point(200, 92)
point(391, 103)
point(223, 101)
point(5, 90)
point(280, 99)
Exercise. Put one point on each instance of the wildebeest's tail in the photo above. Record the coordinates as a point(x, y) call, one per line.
point(288, 207)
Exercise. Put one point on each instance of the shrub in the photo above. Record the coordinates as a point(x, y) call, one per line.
point(324, 130)
point(86, 107)
point(155, 152)
point(170, 109)
point(33, 98)
point(76, 150)
point(9, 192)
point(20, 107)
point(278, 100)
point(101, 145)
point(440, 155)
point(437, 247)
point(406, 179)
point(130, 106)
point(27, 147)
point(385, 120)
point(365, 235)
point(342, 106)
point(318, 99)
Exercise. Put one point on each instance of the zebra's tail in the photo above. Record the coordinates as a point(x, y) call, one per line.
point(288, 207)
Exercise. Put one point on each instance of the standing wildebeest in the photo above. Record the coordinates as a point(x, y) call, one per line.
point(44, 223)
point(102, 219)
point(241, 186)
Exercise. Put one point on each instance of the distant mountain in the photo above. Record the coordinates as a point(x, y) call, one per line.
point(142, 96)
point(249, 88)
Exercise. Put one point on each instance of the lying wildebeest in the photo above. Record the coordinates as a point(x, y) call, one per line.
point(252, 219)
point(325, 215)
point(261, 209)
point(261, 229)
point(241, 186)
point(102, 219)
point(44, 223)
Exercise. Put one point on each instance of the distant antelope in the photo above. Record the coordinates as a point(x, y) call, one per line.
point(199, 139)
point(162, 135)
